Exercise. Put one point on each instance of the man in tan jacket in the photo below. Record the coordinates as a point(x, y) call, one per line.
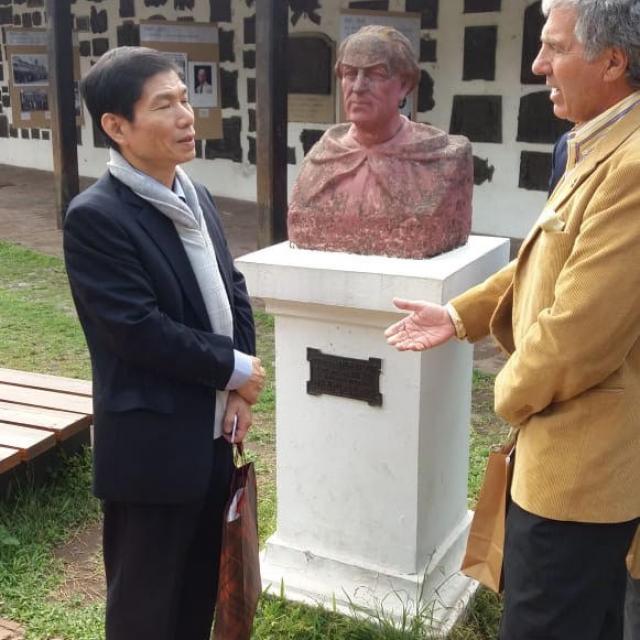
point(567, 311)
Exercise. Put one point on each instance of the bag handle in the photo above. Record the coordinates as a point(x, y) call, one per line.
point(239, 446)
point(239, 453)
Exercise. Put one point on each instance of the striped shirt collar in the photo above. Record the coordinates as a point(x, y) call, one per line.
point(582, 140)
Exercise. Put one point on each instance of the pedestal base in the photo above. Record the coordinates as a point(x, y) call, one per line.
point(439, 595)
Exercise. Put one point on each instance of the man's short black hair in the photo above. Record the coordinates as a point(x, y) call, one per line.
point(116, 81)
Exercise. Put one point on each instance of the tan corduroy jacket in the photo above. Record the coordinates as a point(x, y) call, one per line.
point(567, 311)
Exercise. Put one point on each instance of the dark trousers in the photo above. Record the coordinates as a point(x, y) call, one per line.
point(632, 610)
point(162, 562)
point(563, 580)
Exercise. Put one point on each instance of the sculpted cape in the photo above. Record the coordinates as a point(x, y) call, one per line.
point(408, 197)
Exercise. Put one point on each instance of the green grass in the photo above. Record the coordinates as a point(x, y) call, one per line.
point(39, 332)
point(38, 327)
point(35, 521)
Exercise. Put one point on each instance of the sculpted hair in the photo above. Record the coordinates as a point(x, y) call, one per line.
point(606, 23)
point(116, 81)
point(401, 56)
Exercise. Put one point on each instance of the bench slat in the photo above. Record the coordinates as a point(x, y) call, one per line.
point(38, 410)
point(46, 399)
point(30, 442)
point(37, 415)
point(44, 381)
point(9, 458)
point(62, 423)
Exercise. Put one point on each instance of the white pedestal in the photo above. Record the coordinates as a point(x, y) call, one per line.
point(372, 501)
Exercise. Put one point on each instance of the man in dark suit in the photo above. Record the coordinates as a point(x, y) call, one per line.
point(170, 331)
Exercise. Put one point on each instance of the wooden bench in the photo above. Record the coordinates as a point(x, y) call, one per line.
point(40, 417)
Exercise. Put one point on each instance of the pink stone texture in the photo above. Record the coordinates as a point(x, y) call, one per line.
point(409, 197)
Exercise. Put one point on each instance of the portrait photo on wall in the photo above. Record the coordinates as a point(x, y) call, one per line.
point(203, 84)
point(34, 100)
point(29, 68)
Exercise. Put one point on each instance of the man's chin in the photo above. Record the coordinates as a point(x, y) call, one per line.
point(359, 113)
point(559, 111)
point(187, 157)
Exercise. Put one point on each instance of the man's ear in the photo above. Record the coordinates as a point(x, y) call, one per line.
point(113, 125)
point(617, 64)
point(407, 87)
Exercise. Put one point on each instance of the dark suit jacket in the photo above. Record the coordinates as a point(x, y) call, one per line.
point(156, 362)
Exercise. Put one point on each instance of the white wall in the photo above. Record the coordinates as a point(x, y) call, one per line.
point(500, 207)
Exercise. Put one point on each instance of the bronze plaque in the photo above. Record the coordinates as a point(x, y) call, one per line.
point(344, 377)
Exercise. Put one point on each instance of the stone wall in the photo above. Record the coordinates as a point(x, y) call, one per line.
point(475, 58)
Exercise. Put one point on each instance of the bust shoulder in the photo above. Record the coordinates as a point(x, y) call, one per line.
point(413, 139)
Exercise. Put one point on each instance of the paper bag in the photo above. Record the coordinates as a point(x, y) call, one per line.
point(239, 584)
point(485, 545)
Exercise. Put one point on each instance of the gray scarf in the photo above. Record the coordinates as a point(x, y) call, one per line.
point(191, 226)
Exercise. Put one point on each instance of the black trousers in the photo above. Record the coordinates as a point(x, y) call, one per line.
point(563, 580)
point(632, 610)
point(161, 562)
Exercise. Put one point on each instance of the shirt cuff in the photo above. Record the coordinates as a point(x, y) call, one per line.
point(242, 370)
point(461, 332)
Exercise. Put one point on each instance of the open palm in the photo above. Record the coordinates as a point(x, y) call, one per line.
point(427, 325)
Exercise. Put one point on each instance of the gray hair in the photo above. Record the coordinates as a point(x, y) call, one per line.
point(606, 23)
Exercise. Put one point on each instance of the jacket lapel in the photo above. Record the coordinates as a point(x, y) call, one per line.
point(618, 133)
point(161, 230)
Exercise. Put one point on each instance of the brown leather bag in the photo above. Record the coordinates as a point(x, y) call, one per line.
point(485, 545)
point(239, 584)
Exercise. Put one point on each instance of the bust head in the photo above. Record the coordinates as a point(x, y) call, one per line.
point(377, 70)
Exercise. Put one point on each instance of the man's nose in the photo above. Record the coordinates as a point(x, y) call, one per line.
point(361, 83)
point(185, 115)
point(540, 66)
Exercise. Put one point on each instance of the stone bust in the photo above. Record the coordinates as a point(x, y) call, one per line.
point(381, 184)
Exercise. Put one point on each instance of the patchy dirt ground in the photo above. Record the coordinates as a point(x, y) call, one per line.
point(83, 569)
point(10, 630)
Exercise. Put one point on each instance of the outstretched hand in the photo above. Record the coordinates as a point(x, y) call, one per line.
point(427, 325)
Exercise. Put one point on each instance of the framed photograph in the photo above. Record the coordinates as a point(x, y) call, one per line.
point(34, 100)
point(29, 68)
point(180, 60)
point(203, 84)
